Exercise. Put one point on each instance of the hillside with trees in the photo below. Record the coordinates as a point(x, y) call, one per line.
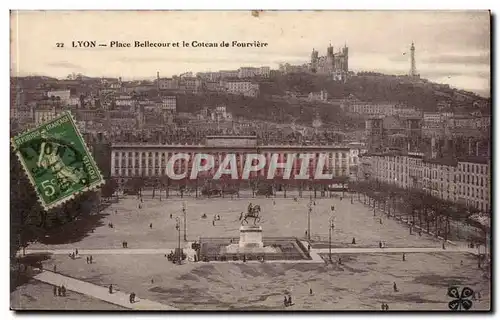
point(372, 87)
point(267, 108)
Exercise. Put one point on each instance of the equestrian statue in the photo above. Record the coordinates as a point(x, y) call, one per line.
point(253, 212)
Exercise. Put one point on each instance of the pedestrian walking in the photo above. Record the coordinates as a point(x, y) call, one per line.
point(380, 244)
point(90, 259)
point(404, 257)
point(310, 291)
point(444, 246)
point(55, 268)
point(382, 306)
point(110, 289)
point(59, 291)
point(63, 291)
point(395, 287)
point(55, 291)
point(76, 251)
point(353, 241)
point(340, 260)
point(150, 226)
point(290, 300)
point(309, 248)
point(285, 302)
point(213, 222)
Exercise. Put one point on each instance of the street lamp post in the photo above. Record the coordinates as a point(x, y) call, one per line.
point(309, 219)
point(185, 224)
point(178, 228)
point(331, 227)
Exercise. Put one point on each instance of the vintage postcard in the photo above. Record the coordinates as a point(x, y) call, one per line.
point(250, 160)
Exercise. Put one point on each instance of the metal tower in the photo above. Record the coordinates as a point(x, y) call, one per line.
point(413, 68)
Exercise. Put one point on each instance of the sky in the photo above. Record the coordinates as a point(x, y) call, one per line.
point(452, 47)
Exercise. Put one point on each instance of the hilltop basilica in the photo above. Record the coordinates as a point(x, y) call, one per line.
point(335, 64)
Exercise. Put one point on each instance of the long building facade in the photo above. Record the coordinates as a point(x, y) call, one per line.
point(150, 161)
point(466, 181)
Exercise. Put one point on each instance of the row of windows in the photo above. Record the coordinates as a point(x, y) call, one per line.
point(162, 154)
point(478, 182)
point(472, 168)
point(434, 174)
point(216, 159)
point(297, 169)
point(161, 171)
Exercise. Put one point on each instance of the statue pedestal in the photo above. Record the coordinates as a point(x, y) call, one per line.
point(250, 243)
point(251, 237)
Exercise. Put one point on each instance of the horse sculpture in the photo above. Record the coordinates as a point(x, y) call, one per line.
point(253, 212)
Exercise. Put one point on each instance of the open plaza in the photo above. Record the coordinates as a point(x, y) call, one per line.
point(361, 275)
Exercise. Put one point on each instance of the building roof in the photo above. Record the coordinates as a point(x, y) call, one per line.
point(452, 162)
point(231, 137)
point(474, 159)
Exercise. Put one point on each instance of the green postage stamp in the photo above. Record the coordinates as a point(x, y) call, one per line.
point(57, 161)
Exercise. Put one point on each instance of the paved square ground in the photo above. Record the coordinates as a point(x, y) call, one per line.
point(36, 295)
point(362, 282)
point(286, 218)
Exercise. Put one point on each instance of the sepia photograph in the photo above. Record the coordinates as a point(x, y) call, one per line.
point(250, 160)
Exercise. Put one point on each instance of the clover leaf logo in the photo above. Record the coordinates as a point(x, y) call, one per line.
point(460, 300)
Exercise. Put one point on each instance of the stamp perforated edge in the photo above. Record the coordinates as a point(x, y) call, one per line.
point(95, 185)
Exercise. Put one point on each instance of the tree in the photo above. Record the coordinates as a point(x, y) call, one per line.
point(24, 207)
point(301, 187)
point(165, 183)
point(155, 185)
point(109, 188)
point(254, 184)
